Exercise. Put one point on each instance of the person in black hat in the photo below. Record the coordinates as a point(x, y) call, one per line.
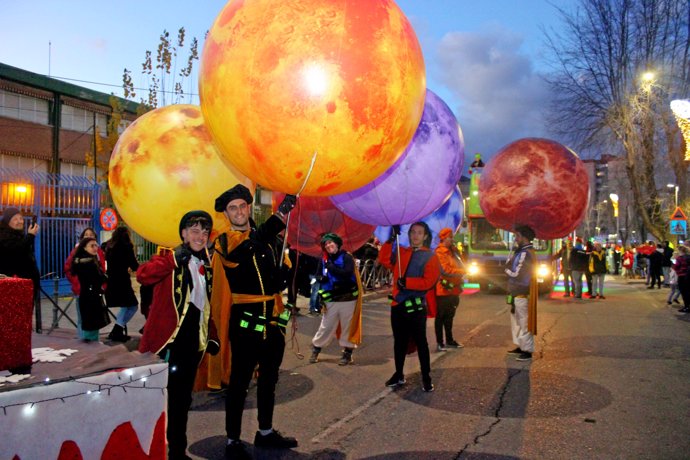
point(341, 295)
point(248, 303)
point(179, 327)
point(17, 256)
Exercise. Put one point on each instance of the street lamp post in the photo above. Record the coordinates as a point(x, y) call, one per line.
point(674, 186)
point(614, 201)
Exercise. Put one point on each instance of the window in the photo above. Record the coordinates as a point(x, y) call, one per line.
point(22, 107)
point(81, 120)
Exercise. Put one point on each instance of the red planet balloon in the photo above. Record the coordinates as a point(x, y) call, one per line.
point(537, 182)
point(313, 216)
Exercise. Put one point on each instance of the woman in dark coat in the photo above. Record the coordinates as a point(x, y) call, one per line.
point(121, 262)
point(17, 249)
point(86, 267)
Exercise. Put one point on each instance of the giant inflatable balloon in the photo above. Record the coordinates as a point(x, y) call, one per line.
point(537, 182)
point(164, 165)
point(449, 215)
point(313, 216)
point(421, 180)
point(279, 81)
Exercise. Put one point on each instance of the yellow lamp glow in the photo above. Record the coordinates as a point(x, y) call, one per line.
point(681, 110)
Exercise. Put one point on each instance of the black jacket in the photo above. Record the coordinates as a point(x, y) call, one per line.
point(17, 254)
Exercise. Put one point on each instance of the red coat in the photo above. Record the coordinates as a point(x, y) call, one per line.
point(451, 271)
point(427, 282)
point(73, 279)
point(163, 319)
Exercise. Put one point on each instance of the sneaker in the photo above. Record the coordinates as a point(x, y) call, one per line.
point(515, 351)
point(440, 348)
point(314, 357)
point(236, 450)
point(602, 297)
point(427, 386)
point(684, 310)
point(524, 356)
point(578, 296)
point(567, 294)
point(668, 303)
point(274, 440)
point(345, 359)
point(395, 381)
point(313, 313)
point(676, 301)
point(454, 344)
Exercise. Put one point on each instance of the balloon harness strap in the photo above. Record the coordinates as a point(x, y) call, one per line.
point(294, 344)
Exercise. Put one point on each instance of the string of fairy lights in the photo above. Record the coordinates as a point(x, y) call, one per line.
point(95, 389)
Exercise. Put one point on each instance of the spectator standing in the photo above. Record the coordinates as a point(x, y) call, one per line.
point(88, 232)
point(682, 268)
point(448, 289)
point(656, 260)
point(564, 255)
point(578, 265)
point(415, 272)
point(92, 309)
point(598, 269)
point(673, 284)
point(627, 263)
point(17, 256)
point(667, 263)
point(589, 247)
point(121, 262)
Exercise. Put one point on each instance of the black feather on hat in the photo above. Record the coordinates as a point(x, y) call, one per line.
point(238, 191)
point(200, 216)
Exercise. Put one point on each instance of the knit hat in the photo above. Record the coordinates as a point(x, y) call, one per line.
point(8, 214)
point(525, 230)
point(445, 233)
point(202, 217)
point(238, 191)
point(332, 237)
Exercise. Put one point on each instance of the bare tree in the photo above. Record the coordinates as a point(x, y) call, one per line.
point(617, 65)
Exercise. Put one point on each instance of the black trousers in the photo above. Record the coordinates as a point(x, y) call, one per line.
point(445, 312)
point(249, 348)
point(410, 327)
point(684, 288)
point(183, 361)
point(568, 282)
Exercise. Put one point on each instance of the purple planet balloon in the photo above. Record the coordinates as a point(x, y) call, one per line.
point(449, 215)
point(422, 178)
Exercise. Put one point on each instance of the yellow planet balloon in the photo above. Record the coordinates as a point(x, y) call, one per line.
point(165, 164)
point(281, 80)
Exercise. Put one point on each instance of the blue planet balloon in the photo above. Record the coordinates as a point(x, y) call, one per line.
point(449, 215)
point(420, 181)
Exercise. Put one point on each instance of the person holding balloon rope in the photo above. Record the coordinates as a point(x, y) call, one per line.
point(179, 327)
point(522, 293)
point(247, 303)
point(341, 296)
point(416, 271)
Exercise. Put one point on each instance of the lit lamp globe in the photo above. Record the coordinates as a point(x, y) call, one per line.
point(164, 165)
point(537, 182)
point(337, 81)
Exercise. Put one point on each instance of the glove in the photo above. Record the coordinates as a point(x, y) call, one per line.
point(182, 254)
point(212, 348)
point(287, 204)
point(395, 231)
point(401, 283)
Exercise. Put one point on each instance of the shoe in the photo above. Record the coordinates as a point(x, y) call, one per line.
point(454, 344)
point(346, 358)
point(395, 381)
point(684, 310)
point(313, 313)
point(274, 440)
point(441, 347)
point(650, 287)
point(236, 450)
point(524, 356)
point(427, 386)
point(676, 301)
point(578, 296)
point(668, 303)
point(118, 334)
point(315, 355)
point(602, 297)
point(515, 351)
point(567, 294)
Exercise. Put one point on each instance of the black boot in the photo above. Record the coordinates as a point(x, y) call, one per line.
point(346, 358)
point(315, 355)
point(118, 334)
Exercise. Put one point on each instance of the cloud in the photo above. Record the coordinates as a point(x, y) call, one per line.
point(501, 97)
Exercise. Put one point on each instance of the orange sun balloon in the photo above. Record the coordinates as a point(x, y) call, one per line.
point(164, 165)
point(281, 80)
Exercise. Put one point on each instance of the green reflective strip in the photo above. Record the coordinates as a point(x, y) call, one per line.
point(418, 301)
point(408, 303)
point(262, 318)
point(244, 323)
point(356, 293)
point(247, 313)
point(259, 328)
point(285, 315)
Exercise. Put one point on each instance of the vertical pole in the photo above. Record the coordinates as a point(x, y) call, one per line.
point(95, 163)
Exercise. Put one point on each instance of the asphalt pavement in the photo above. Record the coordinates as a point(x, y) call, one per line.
point(609, 379)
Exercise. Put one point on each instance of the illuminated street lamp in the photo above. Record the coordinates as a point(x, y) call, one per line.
point(614, 201)
point(675, 187)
